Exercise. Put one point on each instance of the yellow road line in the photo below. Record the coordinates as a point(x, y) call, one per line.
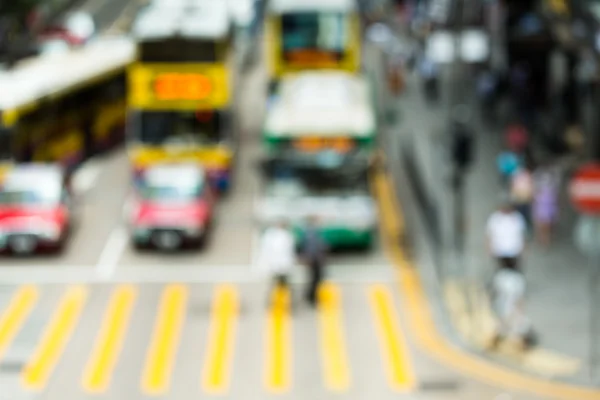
point(15, 315)
point(333, 343)
point(167, 330)
point(278, 343)
point(59, 330)
point(109, 342)
point(425, 331)
point(391, 222)
point(221, 340)
point(392, 342)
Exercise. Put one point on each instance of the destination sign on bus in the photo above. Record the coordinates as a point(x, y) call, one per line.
point(189, 87)
point(174, 86)
point(314, 144)
point(315, 58)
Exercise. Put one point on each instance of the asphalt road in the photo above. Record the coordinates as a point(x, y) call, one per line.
point(105, 321)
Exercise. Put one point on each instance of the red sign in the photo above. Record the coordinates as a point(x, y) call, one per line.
point(585, 189)
point(175, 86)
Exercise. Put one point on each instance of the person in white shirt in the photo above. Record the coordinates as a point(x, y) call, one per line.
point(277, 253)
point(506, 234)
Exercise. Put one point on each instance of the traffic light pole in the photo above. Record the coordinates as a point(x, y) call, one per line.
point(457, 99)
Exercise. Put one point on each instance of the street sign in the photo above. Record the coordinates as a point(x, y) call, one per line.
point(585, 189)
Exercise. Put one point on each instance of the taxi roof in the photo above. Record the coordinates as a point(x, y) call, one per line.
point(180, 175)
point(286, 6)
point(185, 18)
point(34, 175)
point(322, 103)
point(47, 76)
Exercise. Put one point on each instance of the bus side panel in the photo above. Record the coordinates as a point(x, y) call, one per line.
point(73, 128)
point(108, 128)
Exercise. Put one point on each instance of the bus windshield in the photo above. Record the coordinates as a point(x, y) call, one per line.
point(5, 144)
point(289, 179)
point(179, 50)
point(166, 128)
point(322, 32)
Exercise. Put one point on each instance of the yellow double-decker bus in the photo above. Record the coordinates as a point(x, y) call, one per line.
point(312, 34)
point(181, 88)
point(66, 107)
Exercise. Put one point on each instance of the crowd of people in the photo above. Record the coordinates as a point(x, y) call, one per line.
point(529, 210)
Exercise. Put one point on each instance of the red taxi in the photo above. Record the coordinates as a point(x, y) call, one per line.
point(171, 206)
point(35, 209)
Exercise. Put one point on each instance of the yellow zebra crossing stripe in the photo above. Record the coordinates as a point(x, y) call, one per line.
point(278, 349)
point(109, 342)
point(216, 374)
point(333, 343)
point(392, 342)
point(15, 315)
point(167, 330)
point(221, 340)
point(61, 326)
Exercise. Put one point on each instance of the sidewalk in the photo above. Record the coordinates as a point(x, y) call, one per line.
point(559, 296)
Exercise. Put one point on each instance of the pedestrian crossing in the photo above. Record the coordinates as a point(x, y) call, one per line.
point(93, 329)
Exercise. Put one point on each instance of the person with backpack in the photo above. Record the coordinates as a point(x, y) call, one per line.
point(314, 254)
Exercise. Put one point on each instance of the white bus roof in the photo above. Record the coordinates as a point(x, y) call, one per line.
point(47, 76)
point(186, 18)
point(242, 11)
point(286, 6)
point(322, 103)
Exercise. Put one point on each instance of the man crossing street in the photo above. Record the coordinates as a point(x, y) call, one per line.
point(314, 253)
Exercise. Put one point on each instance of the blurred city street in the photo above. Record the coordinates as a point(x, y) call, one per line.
point(403, 318)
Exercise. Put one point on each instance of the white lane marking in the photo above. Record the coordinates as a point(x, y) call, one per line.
point(184, 274)
point(111, 254)
point(84, 179)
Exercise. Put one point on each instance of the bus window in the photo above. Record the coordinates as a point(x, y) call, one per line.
point(326, 32)
point(5, 144)
point(179, 128)
point(177, 50)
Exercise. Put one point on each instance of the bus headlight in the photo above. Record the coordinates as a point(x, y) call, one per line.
point(362, 224)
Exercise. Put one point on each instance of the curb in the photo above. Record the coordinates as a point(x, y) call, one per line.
point(425, 330)
point(473, 320)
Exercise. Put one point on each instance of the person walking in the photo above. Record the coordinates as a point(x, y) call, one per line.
point(507, 163)
point(522, 192)
point(277, 254)
point(545, 202)
point(314, 254)
point(508, 303)
point(506, 230)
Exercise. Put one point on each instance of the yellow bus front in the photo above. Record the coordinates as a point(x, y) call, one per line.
point(180, 111)
point(305, 38)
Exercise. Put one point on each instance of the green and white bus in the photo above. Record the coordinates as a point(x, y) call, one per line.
point(319, 138)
